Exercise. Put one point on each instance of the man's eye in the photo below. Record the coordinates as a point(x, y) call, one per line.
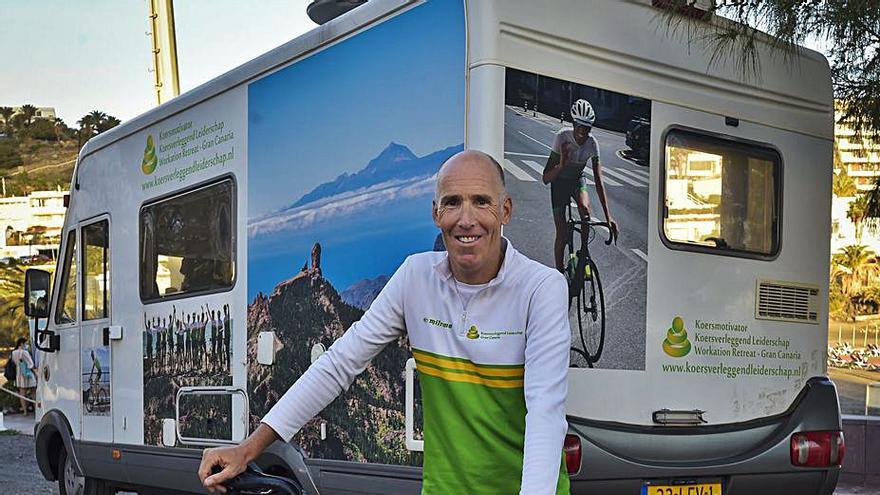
point(482, 201)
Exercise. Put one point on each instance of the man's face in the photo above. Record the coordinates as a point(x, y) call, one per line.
point(469, 208)
point(580, 133)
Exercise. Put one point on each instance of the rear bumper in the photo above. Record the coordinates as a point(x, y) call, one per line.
point(749, 458)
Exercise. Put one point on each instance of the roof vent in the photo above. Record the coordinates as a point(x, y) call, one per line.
point(787, 301)
point(324, 11)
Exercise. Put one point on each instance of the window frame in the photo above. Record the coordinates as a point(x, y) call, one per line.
point(82, 272)
point(61, 282)
point(753, 148)
point(233, 231)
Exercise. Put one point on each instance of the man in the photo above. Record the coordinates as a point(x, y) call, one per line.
point(489, 330)
point(565, 171)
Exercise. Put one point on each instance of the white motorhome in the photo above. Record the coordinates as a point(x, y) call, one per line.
point(214, 247)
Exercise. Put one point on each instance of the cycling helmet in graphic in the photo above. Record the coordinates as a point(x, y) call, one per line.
point(582, 113)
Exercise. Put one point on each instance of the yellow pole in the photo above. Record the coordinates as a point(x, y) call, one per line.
point(164, 50)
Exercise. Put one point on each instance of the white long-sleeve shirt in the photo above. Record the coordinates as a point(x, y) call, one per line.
point(492, 368)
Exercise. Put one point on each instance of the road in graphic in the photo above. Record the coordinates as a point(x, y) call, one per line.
point(623, 267)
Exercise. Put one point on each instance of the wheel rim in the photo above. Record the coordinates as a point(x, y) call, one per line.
point(73, 483)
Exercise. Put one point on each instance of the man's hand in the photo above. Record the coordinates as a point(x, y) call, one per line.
point(232, 461)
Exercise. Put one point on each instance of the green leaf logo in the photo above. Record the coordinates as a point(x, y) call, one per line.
point(148, 165)
point(676, 343)
point(472, 333)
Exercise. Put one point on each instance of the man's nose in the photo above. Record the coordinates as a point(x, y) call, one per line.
point(467, 219)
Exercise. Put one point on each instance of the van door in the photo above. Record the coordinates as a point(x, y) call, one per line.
point(95, 354)
point(60, 389)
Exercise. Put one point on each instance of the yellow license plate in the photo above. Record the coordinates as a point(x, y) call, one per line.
point(695, 489)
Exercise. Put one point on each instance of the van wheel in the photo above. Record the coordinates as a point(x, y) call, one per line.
point(70, 483)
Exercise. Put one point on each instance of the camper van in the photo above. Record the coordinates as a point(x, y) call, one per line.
point(215, 246)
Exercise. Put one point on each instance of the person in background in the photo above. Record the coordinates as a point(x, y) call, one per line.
point(26, 377)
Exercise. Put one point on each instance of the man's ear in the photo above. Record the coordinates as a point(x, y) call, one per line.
point(506, 210)
point(434, 213)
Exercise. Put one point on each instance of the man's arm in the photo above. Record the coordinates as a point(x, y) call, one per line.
point(333, 372)
point(548, 339)
point(600, 191)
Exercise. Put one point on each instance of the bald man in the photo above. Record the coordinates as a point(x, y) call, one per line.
point(489, 332)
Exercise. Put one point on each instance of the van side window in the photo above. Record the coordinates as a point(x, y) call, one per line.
point(721, 196)
point(96, 271)
point(186, 243)
point(65, 310)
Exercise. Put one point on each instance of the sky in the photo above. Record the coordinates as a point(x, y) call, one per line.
point(96, 55)
point(335, 111)
point(402, 81)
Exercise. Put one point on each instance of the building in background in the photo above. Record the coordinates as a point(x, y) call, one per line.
point(860, 160)
point(47, 113)
point(860, 157)
point(31, 225)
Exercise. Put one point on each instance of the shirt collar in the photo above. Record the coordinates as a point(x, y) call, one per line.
point(442, 266)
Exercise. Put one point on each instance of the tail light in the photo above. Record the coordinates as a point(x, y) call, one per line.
point(572, 449)
point(817, 448)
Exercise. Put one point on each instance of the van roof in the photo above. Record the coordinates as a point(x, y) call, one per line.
point(513, 33)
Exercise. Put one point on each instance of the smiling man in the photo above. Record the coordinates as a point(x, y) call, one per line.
point(489, 331)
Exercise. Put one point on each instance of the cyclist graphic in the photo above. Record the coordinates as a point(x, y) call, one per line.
point(95, 373)
point(567, 175)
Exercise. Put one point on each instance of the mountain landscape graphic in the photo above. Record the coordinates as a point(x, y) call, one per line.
point(395, 163)
point(366, 422)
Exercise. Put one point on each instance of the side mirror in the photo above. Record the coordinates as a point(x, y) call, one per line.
point(36, 293)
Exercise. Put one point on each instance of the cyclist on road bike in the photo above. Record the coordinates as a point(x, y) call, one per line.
point(566, 173)
point(95, 373)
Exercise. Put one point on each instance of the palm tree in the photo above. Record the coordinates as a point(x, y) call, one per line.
point(107, 123)
point(18, 122)
point(86, 128)
point(12, 304)
point(858, 214)
point(97, 117)
point(7, 112)
point(854, 268)
point(843, 186)
point(60, 129)
point(29, 111)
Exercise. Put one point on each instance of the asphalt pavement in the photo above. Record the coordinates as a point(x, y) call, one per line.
point(623, 268)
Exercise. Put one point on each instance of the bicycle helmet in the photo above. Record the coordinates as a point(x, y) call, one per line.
point(582, 113)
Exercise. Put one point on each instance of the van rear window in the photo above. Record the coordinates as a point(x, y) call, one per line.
point(186, 243)
point(721, 196)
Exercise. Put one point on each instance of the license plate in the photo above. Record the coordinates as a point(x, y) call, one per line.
point(690, 489)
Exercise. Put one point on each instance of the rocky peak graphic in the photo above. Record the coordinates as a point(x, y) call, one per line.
point(366, 422)
point(362, 294)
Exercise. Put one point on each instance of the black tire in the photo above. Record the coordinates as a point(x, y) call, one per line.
point(71, 484)
point(592, 301)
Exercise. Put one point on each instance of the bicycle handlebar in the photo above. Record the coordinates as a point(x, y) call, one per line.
point(612, 233)
point(253, 481)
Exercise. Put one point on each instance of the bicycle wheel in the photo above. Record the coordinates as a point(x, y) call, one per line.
point(88, 400)
point(591, 322)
